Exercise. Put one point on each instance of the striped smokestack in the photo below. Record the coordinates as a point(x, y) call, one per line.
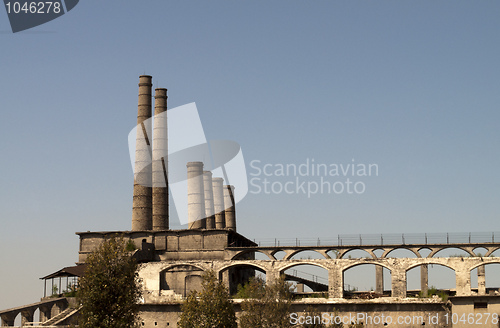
point(142, 202)
point(230, 212)
point(220, 218)
point(196, 198)
point(160, 162)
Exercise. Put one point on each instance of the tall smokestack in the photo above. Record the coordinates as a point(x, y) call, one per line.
point(209, 200)
point(196, 198)
point(220, 217)
point(230, 212)
point(142, 202)
point(160, 162)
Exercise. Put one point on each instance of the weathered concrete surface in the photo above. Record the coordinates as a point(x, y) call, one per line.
point(482, 310)
point(187, 244)
point(415, 311)
point(379, 279)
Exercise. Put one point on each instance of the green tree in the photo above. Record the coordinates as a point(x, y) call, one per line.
point(209, 308)
point(266, 306)
point(110, 289)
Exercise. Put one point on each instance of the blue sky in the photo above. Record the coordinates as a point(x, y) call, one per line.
point(409, 86)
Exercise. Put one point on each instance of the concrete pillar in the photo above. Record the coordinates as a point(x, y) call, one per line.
point(379, 279)
point(56, 309)
point(160, 162)
point(335, 282)
point(481, 280)
point(462, 282)
point(225, 279)
point(45, 313)
point(196, 198)
point(272, 276)
point(27, 317)
point(218, 193)
point(424, 279)
point(230, 212)
point(209, 200)
point(398, 283)
point(142, 203)
point(300, 288)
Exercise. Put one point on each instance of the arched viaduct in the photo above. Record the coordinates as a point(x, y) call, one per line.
point(48, 308)
point(274, 267)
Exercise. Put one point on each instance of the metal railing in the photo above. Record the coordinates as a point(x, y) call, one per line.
point(316, 279)
point(432, 238)
point(308, 276)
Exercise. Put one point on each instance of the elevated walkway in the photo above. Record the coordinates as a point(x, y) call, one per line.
point(314, 285)
point(49, 308)
point(61, 317)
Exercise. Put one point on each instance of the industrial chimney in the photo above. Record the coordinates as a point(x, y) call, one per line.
point(142, 201)
point(230, 211)
point(220, 217)
point(160, 162)
point(209, 200)
point(196, 198)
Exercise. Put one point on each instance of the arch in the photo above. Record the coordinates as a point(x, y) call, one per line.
point(490, 278)
point(363, 263)
point(447, 249)
point(236, 274)
point(315, 253)
point(312, 275)
point(254, 252)
point(430, 263)
point(181, 279)
point(378, 252)
point(494, 261)
point(36, 316)
point(414, 281)
point(359, 251)
point(290, 265)
point(172, 265)
point(278, 254)
point(17, 319)
point(492, 251)
point(401, 250)
point(424, 251)
point(366, 279)
point(480, 251)
point(233, 265)
point(438, 279)
point(333, 253)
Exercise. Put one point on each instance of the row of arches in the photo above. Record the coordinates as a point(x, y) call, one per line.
point(348, 253)
point(316, 277)
point(34, 314)
point(21, 319)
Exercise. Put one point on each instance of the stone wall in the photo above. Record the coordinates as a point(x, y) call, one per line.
point(374, 313)
point(475, 311)
point(188, 244)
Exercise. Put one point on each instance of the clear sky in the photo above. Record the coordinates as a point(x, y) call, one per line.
point(411, 86)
